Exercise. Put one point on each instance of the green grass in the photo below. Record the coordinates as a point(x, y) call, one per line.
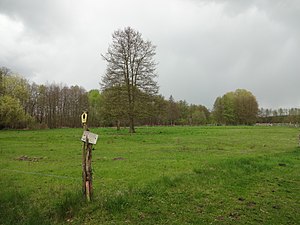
point(160, 175)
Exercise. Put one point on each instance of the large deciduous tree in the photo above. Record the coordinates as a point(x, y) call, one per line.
point(130, 64)
point(246, 107)
point(239, 107)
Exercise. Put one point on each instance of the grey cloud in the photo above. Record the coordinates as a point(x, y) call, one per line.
point(205, 48)
point(252, 55)
point(40, 18)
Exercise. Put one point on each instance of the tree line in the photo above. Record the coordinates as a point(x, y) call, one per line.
point(29, 105)
point(150, 110)
point(24, 104)
point(281, 116)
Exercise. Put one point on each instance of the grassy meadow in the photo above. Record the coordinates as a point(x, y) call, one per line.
point(160, 175)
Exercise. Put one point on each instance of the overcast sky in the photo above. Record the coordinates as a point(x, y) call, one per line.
point(205, 48)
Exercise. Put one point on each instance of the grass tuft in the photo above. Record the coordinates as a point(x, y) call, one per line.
point(117, 203)
point(242, 166)
point(17, 208)
point(69, 205)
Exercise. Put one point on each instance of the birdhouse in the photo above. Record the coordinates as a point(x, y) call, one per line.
point(84, 116)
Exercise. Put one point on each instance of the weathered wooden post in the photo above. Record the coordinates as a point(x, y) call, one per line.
point(88, 139)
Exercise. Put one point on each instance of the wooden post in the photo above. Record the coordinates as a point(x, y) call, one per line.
point(83, 169)
point(87, 187)
point(88, 169)
point(299, 140)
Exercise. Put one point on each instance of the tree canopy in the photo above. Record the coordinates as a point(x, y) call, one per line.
point(233, 108)
point(130, 65)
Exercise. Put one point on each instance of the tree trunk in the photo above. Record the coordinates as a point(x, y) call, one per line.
point(118, 125)
point(131, 124)
point(131, 109)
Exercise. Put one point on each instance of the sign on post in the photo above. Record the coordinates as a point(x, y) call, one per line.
point(89, 139)
point(92, 138)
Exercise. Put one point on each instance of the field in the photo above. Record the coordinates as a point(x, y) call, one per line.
point(160, 175)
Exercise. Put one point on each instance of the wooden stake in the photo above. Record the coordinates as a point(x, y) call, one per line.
point(87, 187)
point(88, 171)
point(83, 168)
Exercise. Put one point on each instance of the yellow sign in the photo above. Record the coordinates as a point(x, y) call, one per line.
point(84, 116)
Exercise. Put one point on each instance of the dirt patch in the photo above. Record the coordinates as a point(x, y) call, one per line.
point(251, 204)
point(281, 164)
point(118, 158)
point(241, 199)
point(220, 218)
point(276, 207)
point(234, 216)
point(30, 159)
